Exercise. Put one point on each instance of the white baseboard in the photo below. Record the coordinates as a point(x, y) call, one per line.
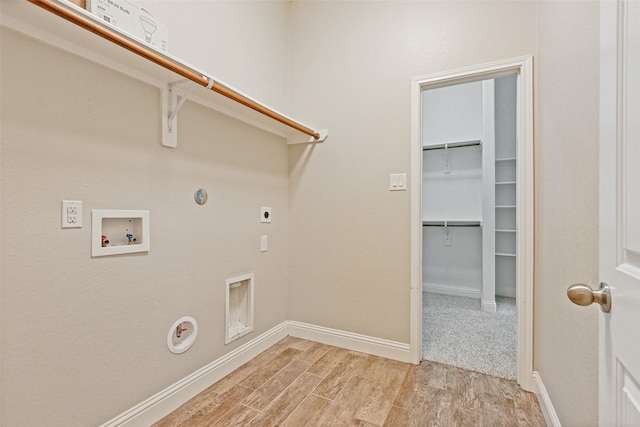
point(351, 341)
point(461, 291)
point(488, 306)
point(548, 411)
point(169, 399)
point(506, 292)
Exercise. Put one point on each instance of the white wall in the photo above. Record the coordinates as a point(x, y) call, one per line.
point(347, 261)
point(505, 102)
point(84, 339)
point(349, 248)
point(454, 269)
point(505, 147)
point(242, 43)
point(452, 114)
point(566, 158)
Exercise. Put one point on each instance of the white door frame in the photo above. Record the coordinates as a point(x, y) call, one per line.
point(523, 67)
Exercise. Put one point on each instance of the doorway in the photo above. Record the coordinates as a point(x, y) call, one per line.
point(469, 227)
point(491, 270)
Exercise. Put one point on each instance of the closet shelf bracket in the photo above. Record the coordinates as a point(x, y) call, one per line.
point(447, 146)
point(18, 16)
point(447, 161)
point(322, 136)
point(446, 236)
point(170, 107)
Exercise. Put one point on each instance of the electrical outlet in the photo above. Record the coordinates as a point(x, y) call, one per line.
point(265, 214)
point(71, 214)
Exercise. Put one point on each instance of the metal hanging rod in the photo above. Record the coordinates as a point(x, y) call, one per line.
point(452, 145)
point(180, 69)
point(451, 223)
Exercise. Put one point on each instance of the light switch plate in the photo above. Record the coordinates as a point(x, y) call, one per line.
point(398, 181)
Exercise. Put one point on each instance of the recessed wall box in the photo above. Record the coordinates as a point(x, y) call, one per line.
point(239, 307)
point(116, 232)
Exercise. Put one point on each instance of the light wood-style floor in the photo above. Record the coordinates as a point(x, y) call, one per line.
point(299, 383)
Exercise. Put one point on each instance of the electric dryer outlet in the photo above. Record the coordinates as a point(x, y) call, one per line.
point(265, 214)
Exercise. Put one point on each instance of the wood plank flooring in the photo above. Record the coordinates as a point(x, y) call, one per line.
point(303, 383)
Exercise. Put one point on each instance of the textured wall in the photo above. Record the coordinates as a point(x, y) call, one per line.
point(84, 339)
point(350, 235)
point(566, 344)
point(351, 69)
point(243, 43)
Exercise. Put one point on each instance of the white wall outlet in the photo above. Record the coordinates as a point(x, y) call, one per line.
point(265, 214)
point(264, 243)
point(71, 214)
point(397, 181)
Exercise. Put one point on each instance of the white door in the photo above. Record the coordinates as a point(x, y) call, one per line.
point(620, 212)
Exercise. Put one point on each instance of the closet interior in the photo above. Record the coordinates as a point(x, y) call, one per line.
point(469, 196)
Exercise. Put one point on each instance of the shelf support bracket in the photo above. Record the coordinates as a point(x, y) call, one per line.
point(446, 237)
point(170, 107)
point(447, 159)
point(306, 140)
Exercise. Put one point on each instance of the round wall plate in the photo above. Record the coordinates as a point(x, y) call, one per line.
point(201, 196)
point(182, 334)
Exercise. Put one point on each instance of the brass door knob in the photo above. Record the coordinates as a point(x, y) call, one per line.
point(583, 295)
